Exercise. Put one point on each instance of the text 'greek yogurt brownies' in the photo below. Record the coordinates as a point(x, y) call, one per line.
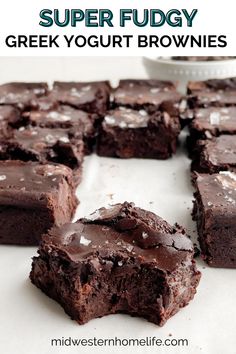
point(33, 198)
point(215, 213)
point(121, 259)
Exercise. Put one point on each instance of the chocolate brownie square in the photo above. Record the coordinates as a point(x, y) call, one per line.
point(121, 260)
point(212, 156)
point(209, 122)
point(66, 117)
point(216, 92)
point(43, 145)
point(130, 133)
point(215, 213)
point(91, 97)
point(150, 95)
point(21, 94)
point(33, 198)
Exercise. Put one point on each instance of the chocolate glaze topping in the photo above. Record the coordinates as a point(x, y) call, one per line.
point(27, 183)
point(141, 92)
point(123, 228)
point(22, 94)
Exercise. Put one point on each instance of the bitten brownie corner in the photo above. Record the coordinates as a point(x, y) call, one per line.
point(119, 260)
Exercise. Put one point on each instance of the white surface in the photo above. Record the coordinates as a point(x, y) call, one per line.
point(29, 319)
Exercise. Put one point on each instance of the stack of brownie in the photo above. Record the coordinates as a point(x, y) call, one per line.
point(212, 147)
point(59, 126)
point(103, 264)
point(44, 135)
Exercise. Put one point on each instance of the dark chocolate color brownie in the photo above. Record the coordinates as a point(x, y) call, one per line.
point(91, 97)
point(215, 213)
point(212, 156)
point(122, 259)
point(42, 145)
point(209, 122)
point(66, 117)
point(21, 94)
point(216, 92)
point(129, 133)
point(151, 95)
point(33, 198)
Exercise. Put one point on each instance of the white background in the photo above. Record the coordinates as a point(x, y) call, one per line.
point(214, 17)
point(29, 319)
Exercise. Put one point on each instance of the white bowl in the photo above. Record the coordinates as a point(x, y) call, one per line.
point(184, 71)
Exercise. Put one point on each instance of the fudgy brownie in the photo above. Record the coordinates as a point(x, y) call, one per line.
point(212, 156)
point(151, 95)
point(43, 145)
point(21, 94)
point(216, 92)
point(215, 213)
point(122, 259)
point(9, 116)
point(33, 198)
point(130, 133)
point(66, 117)
point(209, 122)
point(91, 97)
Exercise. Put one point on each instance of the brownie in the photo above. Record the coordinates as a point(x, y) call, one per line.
point(216, 92)
point(120, 260)
point(129, 133)
point(9, 116)
point(91, 97)
point(209, 122)
point(151, 95)
point(43, 145)
point(215, 213)
point(66, 117)
point(33, 198)
point(21, 94)
point(212, 156)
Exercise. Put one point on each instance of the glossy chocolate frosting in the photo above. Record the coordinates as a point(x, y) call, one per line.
point(125, 229)
point(142, 92)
